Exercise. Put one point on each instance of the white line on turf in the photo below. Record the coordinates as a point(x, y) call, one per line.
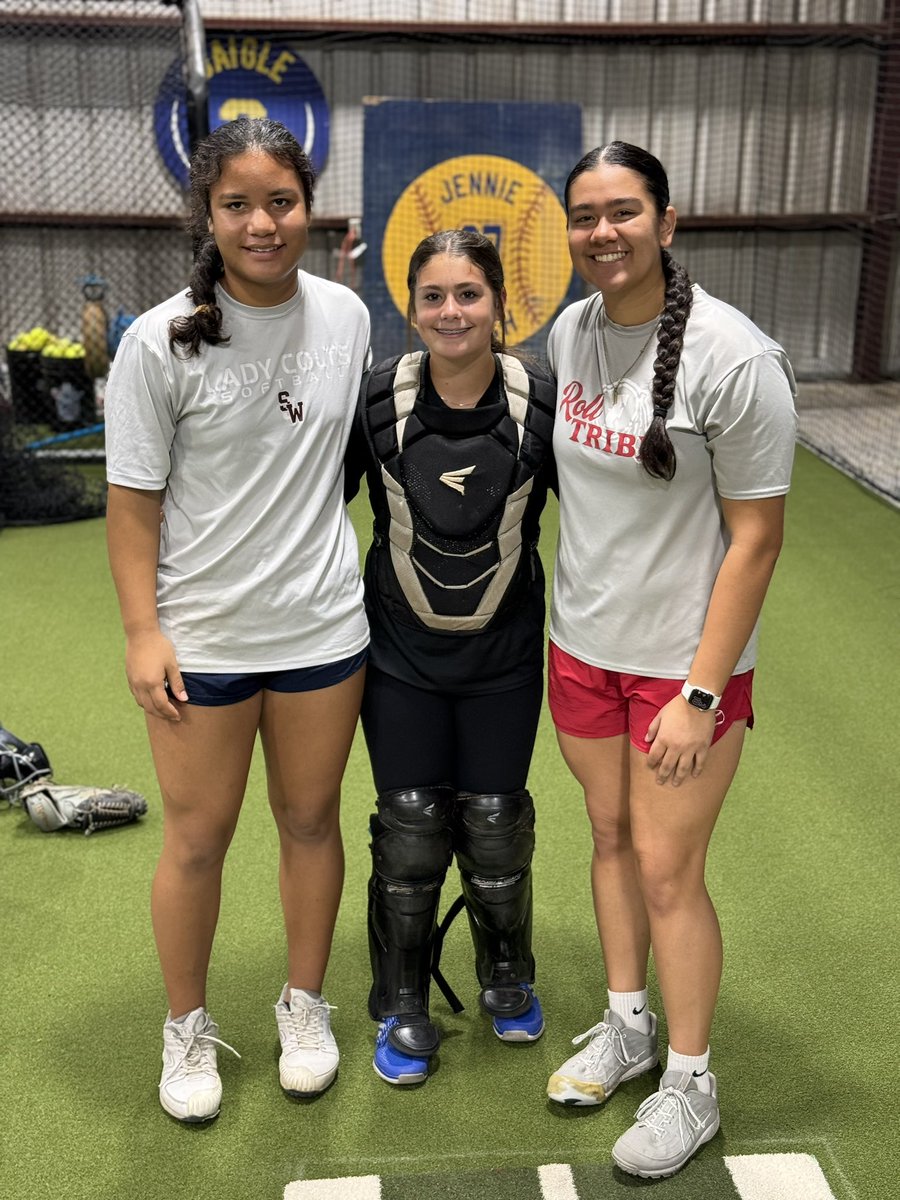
point(756, 1177)
point(556, 1182)
point(816, 1144)
point(355, 1187)
point(778, 1177)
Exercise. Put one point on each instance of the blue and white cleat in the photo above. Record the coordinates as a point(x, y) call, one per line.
point(526, 1027)
point(391, 1064)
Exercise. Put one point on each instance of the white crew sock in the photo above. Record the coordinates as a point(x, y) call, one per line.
point(695, 1065)
point(632, 1007)
point(308, 993)
point(184, 1016)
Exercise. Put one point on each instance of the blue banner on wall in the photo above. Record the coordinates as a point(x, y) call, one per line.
point(499, 168)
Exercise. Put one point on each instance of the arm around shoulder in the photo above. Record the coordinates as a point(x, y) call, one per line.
point(357, 452)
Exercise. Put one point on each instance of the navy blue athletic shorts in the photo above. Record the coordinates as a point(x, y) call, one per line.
point(214, 689)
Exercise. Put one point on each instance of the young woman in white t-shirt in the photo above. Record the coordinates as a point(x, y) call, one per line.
point(674, 442)
point(228, 411)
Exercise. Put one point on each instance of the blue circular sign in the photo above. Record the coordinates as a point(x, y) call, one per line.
point(246, 76)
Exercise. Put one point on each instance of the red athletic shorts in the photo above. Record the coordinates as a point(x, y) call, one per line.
point(589, 702)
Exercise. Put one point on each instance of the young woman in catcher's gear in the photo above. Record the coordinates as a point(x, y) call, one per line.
point(227, 412)
point(455, 443)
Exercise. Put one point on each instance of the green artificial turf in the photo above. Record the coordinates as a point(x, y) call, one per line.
point(803, 869)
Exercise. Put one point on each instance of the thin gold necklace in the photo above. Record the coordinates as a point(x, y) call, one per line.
point(457, 403)
point(605, 356)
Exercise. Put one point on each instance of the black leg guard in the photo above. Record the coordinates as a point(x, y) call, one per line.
point(411, 851)
point(494, 843)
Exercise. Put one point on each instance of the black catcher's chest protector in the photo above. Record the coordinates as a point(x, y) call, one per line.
point(456, 494)
point(457, 486)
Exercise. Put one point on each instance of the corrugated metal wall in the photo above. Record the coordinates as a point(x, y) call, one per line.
point(741, 130)
point(433, 12)
point(545, 12)
point(79, 113)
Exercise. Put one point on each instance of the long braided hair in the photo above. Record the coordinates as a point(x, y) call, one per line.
point(204, 324)
point(657, 452)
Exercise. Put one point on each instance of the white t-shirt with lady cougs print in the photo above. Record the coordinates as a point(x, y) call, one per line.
point(258, 562)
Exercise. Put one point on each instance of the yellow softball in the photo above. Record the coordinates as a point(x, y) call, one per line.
point(506, 202)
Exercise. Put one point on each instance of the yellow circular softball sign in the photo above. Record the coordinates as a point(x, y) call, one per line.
point(506, 202)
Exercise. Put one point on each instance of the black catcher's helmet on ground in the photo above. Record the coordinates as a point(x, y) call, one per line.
point(20, 763)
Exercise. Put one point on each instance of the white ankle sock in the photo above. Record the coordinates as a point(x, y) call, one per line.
point(184, 1016)
point(696, 1065)
point(632, 1007)
point(308, 992)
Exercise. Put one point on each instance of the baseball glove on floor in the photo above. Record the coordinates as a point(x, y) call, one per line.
point(52, 806)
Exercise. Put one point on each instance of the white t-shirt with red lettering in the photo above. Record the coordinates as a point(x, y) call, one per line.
point(637, 557)
point(258, 562)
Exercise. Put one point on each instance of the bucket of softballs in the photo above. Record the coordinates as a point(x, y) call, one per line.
point(26, 377)
point(68, 389)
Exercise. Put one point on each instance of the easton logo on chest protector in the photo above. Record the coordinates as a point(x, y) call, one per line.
point(457, 479)
point(456, 498)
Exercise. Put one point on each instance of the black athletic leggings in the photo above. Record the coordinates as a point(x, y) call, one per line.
point(417, 738)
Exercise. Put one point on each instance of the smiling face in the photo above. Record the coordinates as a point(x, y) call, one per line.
point(259, 219)
point(454, 308)
point(615, 237)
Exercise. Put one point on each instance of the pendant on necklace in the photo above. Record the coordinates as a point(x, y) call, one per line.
point(615, 385)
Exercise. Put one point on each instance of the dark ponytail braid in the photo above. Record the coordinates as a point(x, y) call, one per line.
point(236, 137)
point(204, 324)
point(657, 451)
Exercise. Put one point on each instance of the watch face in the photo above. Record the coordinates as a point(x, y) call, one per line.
point(700, 699)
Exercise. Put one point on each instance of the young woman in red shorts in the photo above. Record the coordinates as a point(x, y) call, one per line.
point(674, 442)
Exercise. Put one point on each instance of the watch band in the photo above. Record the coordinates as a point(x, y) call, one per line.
point(700, 698)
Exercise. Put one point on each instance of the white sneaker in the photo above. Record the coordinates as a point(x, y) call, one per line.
point(672, 1125)
point(615, 1052)
point(309, 1053)
point(190, 1089)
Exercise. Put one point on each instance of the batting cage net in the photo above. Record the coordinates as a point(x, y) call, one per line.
point(778, 122)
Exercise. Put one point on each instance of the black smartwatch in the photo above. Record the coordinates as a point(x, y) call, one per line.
point(700, 697)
